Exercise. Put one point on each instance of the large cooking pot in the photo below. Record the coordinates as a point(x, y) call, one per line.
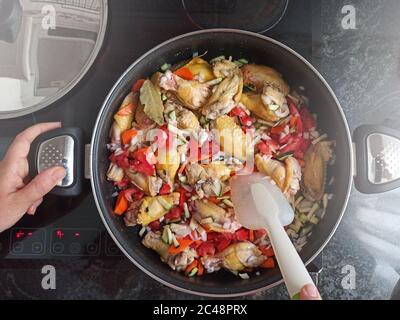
point(297, 72)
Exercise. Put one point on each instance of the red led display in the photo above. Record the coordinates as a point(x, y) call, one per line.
point(59, 234)
point(77, 234)
point(19, 234)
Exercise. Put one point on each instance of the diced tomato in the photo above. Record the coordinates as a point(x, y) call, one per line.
point(155, 225)
point(294, 111)
point(138, 85)
point(212, 236)
point(267, 251)
point(299, 125)
point(174, 214)
point(121, 184)
point(121, 160)
point(223, 244)
point(206, 249)
point(284, 139)
point(298, 154)
point(268, 264)
point(242, 234)
point(308, 120)
point(278, 129)
point(140, 162)
point(182, 197)
point(295, 143)
point(133, 194)
point(246, 120)
point(165, 189)
point(259, 233)
point(263, 148)
point(237, 112)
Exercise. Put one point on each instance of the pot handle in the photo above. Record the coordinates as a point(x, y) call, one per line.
point(60, 147)
point(377, 159)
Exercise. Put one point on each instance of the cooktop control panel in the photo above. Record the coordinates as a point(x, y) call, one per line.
point(28, 243)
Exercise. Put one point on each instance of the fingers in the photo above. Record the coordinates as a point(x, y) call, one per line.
point(309, 292)
point(22, 142)
point(35, 190)
point(33, 207)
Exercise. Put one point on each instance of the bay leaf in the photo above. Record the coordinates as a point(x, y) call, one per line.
point(151, 99)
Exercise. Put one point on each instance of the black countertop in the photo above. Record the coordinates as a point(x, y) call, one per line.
point(362, 66)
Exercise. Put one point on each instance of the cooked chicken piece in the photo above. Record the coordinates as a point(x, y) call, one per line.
point(287, 176)
point(201, 69)
point(218, 169)
point(130, 217)
point(314, 174)
point(272, 168)
point(179, 262)
point(258, 76)
point(275, 99)
point(153, 208)
point(168, 81)
point(236, 257)
point(224, 68)
point(193, 94)
point(241, 255)
point(212, 187)
point(211, 263)
point(186, 119)
point(148, 184)
point(195, 172)
point(231, 137)
point(115, 173)
point(209, 209)
point(153, 240)
point(125, 118)
point(115, 133)
point(168, 163)
point(254, 103)
point(293, 177)
point(224, 97)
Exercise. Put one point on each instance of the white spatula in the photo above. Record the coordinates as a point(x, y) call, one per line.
point(260, 204)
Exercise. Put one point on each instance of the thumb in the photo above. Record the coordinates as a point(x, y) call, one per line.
point(42, 184)
point(309, 292)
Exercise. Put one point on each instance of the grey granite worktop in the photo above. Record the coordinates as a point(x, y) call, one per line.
point(362, 66)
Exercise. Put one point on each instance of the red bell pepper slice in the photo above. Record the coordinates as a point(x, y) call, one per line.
point(155, 225)
point(165, 189)
point(242, 234)
point(174, 214)
point(206, 249)
point(308, 120)
point(140, 162)
point(138, 85)
point(295, 143)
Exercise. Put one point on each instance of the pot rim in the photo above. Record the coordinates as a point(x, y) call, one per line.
point(307, 64)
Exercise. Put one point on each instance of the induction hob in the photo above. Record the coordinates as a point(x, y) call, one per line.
point(70, 228)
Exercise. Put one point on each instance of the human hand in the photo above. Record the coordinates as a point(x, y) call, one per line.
point(309, 292)
point(17, 196)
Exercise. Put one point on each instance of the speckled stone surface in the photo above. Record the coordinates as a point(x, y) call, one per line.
point(362, 66)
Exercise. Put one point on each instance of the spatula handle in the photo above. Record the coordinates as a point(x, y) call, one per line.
point(292, 267)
